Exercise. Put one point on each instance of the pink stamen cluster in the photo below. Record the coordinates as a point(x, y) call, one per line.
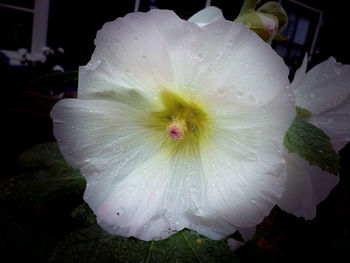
point(176, 130)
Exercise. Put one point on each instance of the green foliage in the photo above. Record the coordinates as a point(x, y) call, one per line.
point(92, 244)
point(45, 176)
point(312, 144)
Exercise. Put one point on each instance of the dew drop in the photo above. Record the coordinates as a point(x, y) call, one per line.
point(177, 223)
point(198, 211)
point(240, 94)
point(313, 95)
point(221, 92)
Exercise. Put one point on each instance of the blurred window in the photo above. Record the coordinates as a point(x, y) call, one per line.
point(23, 24)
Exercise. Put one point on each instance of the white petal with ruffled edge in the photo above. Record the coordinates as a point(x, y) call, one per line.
point(306, 187)
point(325, 86)
point(133, 187)
point(247, 169)
point(206, 16)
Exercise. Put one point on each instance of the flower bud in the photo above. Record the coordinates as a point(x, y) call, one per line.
point(267, 21)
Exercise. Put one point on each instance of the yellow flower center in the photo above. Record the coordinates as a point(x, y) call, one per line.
point(181, 124)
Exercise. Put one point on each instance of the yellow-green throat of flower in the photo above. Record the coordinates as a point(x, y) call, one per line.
point(182, 118)
point(180, 122)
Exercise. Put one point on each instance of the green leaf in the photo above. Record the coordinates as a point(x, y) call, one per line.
point(68, 77)
point(303, 113)
point(45, 176)
point(92, 244)
point(84, 215)
point(312, 144)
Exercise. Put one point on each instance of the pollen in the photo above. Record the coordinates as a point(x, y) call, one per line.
point(177, 129)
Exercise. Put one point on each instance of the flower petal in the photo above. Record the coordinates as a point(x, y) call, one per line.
point(206, 16)
point(104, 139)
point(232, 68)
point(159, 198)
point(324, 87)
point(300, 73)
point(245, 166)
point(131, 52)
point(335, 123)
point(217, 58)
point(306, 187)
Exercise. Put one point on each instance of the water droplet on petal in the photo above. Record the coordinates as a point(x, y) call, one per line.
point(240, 94)
point(221, 92)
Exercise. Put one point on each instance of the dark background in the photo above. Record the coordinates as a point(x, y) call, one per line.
point(73, 25)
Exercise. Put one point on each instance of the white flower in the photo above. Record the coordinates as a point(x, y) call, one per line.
point(325, 92)
point(178, 126)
